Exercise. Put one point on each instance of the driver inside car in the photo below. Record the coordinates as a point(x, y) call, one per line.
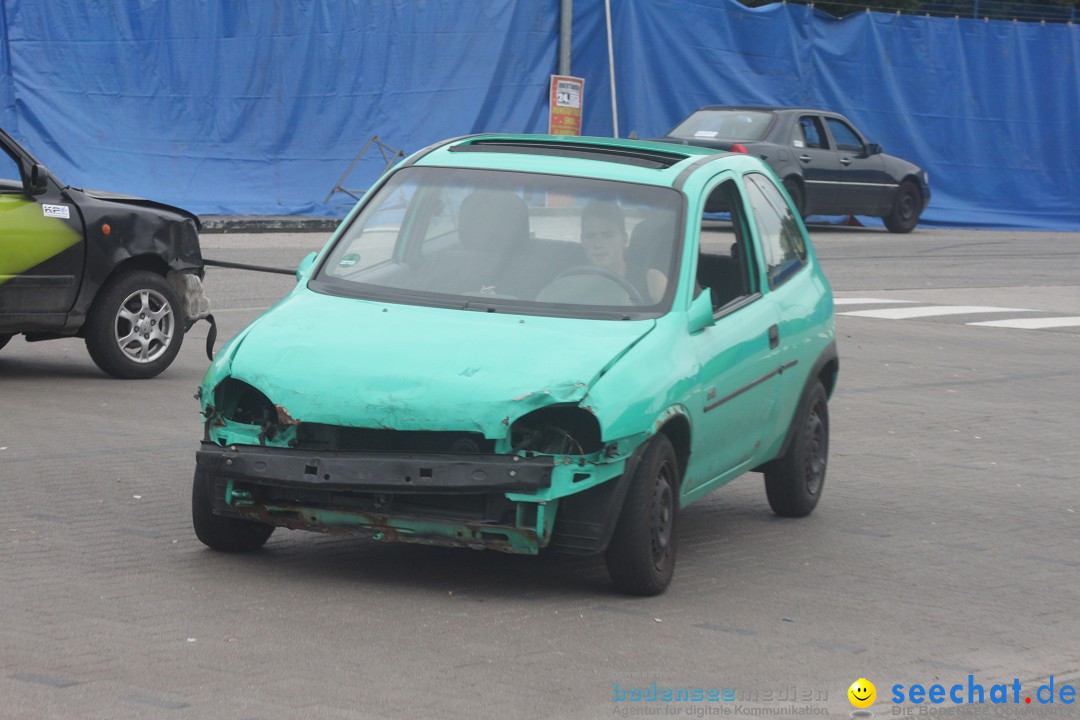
point(604, 239)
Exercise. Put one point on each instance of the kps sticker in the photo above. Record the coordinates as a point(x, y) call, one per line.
point(57, 211)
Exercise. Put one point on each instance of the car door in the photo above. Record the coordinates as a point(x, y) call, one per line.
point(793, 292)
point(41, 244)
point(736, 355)
point(863, 185)
point(820, 165)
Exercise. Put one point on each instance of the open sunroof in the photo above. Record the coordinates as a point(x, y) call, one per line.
point(607, 153)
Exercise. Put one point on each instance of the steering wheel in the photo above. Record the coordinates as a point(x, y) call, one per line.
point(611, 275)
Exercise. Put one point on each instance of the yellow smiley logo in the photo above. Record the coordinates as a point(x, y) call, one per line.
point(862, 693)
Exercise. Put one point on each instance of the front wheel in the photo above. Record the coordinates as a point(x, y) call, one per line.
point(223, 533)
point(907, 205)
point(793, 483)
point(641, 556)
point(136, 326)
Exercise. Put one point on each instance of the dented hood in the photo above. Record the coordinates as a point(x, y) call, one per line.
point(350, 362)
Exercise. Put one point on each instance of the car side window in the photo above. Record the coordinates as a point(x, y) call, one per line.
point(10, 174)
point(845, 137)
point(726, 261)
point(782, 241)
point(813, 134)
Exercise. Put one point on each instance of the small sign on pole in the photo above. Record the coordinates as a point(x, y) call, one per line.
point(564, 115)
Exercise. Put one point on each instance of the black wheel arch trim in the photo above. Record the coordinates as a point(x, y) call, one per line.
point(827, 356)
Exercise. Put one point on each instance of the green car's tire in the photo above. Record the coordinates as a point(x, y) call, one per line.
point(641, 556)
point(223, 533)
point(793, 483)
point(136, 325)
point(906, 209)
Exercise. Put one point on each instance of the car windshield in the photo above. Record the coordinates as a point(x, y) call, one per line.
point(505, 241)
point(724, 125)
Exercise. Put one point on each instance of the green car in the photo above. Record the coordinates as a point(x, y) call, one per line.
point(528, 342)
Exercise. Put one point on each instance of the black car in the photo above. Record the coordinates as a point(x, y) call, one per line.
point(121, 272)
point(826, 164)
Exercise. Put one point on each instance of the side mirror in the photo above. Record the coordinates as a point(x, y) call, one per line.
point(700, 315)
point(305, 265)
point(873, 149)
point(39, 180)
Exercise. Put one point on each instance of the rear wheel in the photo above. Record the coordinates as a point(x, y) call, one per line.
point(223, 533)
point(907, 205)
point(641, 556)
point(795, 191)
point(793, 483)
point(136, 326)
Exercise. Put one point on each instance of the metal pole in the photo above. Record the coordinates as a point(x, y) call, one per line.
point(566, 21)
point(611, 65)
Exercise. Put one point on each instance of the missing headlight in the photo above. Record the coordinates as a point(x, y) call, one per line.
point(241, 403)
point(557, 430)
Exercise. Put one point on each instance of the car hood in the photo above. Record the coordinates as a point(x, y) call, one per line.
point(138, 201)
point(350, 362)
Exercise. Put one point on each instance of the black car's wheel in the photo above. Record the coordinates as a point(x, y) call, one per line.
point(907, 205)
point(4, 339)
point(796, 193)
point(793, 483)
point(135, 326)
point(223, 533)
point(641, 556)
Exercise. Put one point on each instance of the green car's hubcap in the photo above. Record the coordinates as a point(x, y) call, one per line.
point(663, 509)
point(817, 452)
point(144, 326)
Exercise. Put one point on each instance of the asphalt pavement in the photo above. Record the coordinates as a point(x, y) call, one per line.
point(945, 550)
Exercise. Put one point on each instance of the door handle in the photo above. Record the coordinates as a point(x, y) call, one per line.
point(845, 161)
point(805, 158)
point(774, 337)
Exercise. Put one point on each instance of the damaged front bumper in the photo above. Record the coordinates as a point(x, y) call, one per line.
point(481, 501)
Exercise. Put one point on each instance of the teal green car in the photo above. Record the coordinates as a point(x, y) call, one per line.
point(522, 343)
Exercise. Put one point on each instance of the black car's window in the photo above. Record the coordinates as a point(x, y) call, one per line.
point(726, 262)
point(811, 133)
point(511, 242)
point(845, 137)
point(10, 175)
point(741, 125)
point(781, 239)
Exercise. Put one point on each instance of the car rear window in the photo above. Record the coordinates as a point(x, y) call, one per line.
point(724, 125)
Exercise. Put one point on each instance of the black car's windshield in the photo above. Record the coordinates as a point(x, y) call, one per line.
point(511, 241)
point(743, 125)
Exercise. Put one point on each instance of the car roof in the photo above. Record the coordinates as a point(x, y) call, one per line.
point(638, 161)
point(768, 108)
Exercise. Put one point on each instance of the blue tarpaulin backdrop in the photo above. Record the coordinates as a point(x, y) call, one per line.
point(257, 108)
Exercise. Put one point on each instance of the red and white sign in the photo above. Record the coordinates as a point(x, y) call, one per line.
point(564, 115)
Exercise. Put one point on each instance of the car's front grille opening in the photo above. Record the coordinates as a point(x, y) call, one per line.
point(317, 436)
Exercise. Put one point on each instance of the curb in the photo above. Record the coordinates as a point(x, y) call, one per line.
point(267, 223)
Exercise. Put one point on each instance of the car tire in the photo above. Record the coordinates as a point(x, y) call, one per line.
point(641, 555)
point(223, 533)
point(796, 193)
point(793, 482)
point(117, 337)
point(907, 205)
point(4, 340)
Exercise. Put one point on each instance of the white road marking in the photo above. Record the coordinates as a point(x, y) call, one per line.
point(936, 310)
point(867, 301)
point(1032, 323)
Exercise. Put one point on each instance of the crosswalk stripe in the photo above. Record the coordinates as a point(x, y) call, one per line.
point(866, 301)
point(1031, 323)
point(908, 313)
